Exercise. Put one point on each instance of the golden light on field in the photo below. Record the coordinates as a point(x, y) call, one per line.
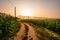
point(26, 12)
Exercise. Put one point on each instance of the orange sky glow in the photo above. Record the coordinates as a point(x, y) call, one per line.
point(42, 8)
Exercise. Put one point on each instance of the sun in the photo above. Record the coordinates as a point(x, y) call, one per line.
point(26, 12)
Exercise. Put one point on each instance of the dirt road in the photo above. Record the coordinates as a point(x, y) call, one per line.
point(26, 32)
point(22, 34)
point(31, 33)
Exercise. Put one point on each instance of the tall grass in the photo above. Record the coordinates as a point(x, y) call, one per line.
point(47, 29)
point(51, 24)
point(8, 26)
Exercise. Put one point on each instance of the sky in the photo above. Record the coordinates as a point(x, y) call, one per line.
point(36, 8)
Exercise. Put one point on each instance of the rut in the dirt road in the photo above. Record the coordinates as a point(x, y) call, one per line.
point(31, 33)
point(22, 34)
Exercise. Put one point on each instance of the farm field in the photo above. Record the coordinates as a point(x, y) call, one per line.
point(48, 28)
point(12, 28)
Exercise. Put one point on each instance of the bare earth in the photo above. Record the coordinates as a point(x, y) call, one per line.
point(31, 33)
point(26, 33)
point(20, 35)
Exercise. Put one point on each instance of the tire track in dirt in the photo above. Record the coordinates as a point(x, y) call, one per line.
point(31, 33)
point(22, 34)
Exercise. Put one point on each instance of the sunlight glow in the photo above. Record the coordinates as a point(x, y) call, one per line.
point(26, 12)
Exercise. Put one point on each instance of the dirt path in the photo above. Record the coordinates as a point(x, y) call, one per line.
point(26, 32)
point(21, 35)
point(31, 33)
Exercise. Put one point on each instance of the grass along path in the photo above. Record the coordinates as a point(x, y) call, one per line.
point(45, 34)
